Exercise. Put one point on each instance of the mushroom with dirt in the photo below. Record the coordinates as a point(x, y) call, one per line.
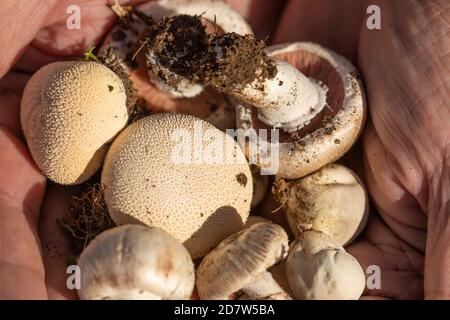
point(239, 263)
point(318, 268)
point(321, 110)
point(133, 262)
point(332, 200)
point(69, 112)
point(181, 174)
point(163, 90)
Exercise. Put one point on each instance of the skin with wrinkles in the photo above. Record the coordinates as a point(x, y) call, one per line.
point(406, 153)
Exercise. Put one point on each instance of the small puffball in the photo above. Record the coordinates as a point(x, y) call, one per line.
point(69, 112)
point(318, 268)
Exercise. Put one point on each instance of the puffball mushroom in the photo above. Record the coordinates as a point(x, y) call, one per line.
point(318, 268)
point(313, 135)
point(69, 112)
point(239, 263)
point(133, 262)
point(163, 171)
point(332, 200)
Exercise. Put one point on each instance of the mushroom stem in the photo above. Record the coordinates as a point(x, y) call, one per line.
point(239, 66)
point(289, 100)
point(264, 287)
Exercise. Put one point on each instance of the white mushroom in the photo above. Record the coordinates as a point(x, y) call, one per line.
point(315, 133)
point(134, 262)
point(318, 268)
point(69, 112)
point(239, 264)
point(125, 38)
point(158, 172)
point(332, 200)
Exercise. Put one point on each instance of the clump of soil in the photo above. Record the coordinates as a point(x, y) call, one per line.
point(282, 190)
point(87, 218)
point(179, 43)
point(228, 62)
point(110, 60)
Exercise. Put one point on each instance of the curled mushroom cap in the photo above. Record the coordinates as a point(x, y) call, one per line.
point(332, 200)
point(134, 262)
point(163, 171)
point(318, 268)
point(326, 132)
point(69, 111)
point(240, 263)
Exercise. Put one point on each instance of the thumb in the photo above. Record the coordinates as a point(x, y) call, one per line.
point(22, 189)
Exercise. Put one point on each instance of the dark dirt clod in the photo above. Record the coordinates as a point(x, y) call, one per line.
point(87, 218)
point(228, 62)
point(241, 178)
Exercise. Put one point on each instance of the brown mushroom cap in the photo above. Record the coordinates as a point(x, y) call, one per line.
point(237, 260)
point(199, 203)
point(333, 131)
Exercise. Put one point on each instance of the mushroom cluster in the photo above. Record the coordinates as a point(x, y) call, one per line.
point(185, 198)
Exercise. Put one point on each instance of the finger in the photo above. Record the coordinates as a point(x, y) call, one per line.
point(11, 87)
point(263, 15)
point(56, 246)
point(57, 42)
point(401, 266)
point(333, 24)
point(21, 191)
point(22, 20)
point(396, 206)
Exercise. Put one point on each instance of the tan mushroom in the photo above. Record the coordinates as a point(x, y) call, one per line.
point(332, 200)
point(157, 172)
point(69, 112)
point(134, 262)
point(313, 134)
point(318, 268)
point(239, 264)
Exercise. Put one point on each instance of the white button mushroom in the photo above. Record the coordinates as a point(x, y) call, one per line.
point(332, 200)
point(239, 263)
point(69, 112)
point(157, 172)
point(315, 135)
point(134, 262)
point(318, 268)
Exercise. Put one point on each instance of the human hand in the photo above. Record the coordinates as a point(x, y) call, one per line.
point(406, 143)
point(32, 248)
point(396, 247)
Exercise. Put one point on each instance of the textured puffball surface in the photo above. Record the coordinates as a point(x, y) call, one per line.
point(332, 200)
point(145, 181)
point(135, 262)
point(69, 111)
point(318, 268)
